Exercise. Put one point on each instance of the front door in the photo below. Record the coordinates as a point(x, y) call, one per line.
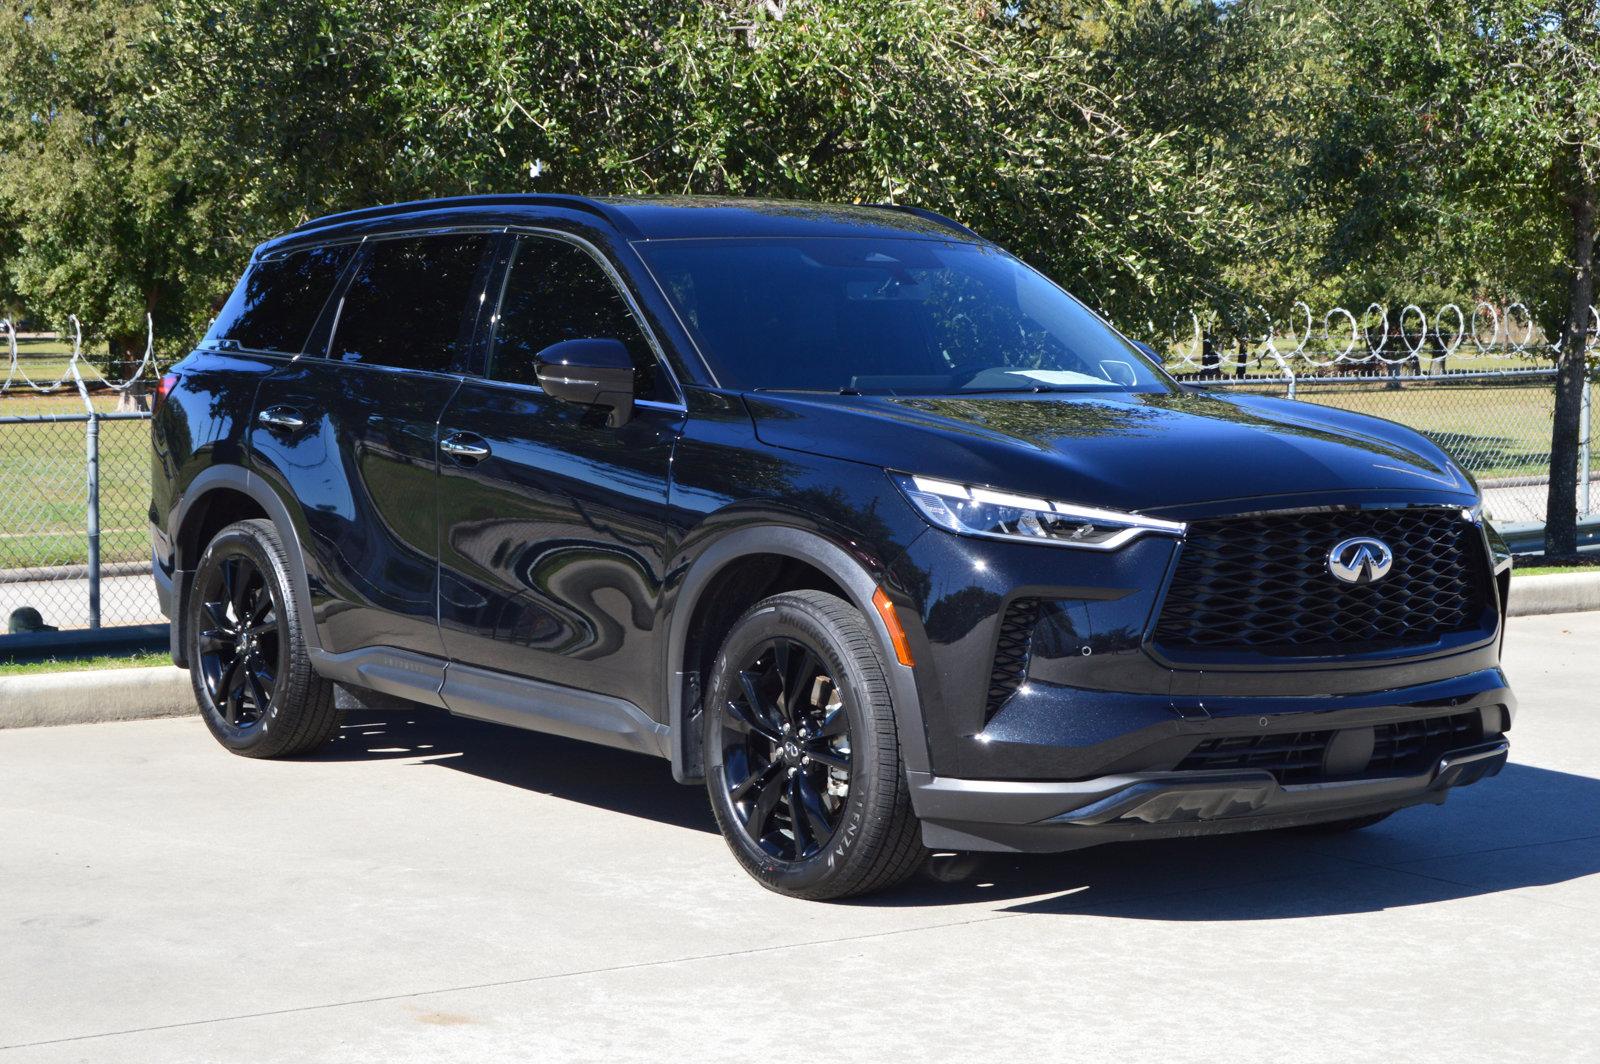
point(553, 535)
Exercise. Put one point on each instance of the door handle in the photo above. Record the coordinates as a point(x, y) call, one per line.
point(281, 417)
point(464, 445)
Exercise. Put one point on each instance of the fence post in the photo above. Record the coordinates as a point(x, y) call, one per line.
point(1585, 416)
point(93, 447)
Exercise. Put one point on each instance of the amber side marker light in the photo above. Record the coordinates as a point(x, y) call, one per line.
point(897, 634)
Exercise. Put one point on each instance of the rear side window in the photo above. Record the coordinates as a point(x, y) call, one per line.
point(411, 303)
point(556, 291)
point(276, 303)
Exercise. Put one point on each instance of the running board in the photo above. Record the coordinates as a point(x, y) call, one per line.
point(483, 694)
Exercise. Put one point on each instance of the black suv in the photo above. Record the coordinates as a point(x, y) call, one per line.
point(844, 511)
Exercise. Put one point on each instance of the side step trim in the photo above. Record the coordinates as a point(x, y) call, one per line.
point(522, 703)
point(499, 697)
point(387, 670)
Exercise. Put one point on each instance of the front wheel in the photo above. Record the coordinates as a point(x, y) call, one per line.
point(802, 756)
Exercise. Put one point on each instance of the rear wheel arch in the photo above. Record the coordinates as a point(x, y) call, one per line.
point(733, 574)
point(216, 498)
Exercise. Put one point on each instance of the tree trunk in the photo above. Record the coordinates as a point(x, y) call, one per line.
point(127, 350)
point(1572, 377)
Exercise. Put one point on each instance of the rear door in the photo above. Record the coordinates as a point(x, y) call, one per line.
point(350, 438)
point(553, 539)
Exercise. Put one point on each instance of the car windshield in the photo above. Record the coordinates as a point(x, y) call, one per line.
point(888, 316)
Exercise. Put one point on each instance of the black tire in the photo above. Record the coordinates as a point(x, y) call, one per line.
point(248, 664)
point(821, 831)
point(1355, 823)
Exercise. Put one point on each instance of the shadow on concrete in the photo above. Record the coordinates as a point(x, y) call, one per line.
point(626, 783)
point(1527, 827)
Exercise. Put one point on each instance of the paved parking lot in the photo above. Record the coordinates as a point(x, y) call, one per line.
point(433, 889)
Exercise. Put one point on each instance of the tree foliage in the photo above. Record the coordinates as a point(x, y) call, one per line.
point(1152, 155)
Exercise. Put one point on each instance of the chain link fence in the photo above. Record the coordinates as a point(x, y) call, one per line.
point(1496, 424)
point(74, 519)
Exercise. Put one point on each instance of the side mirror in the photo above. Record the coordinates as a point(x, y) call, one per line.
point(589, 373)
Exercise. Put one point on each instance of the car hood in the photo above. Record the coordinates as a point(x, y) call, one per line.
point(1149, 452)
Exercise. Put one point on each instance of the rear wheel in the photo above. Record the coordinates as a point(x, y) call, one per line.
point(248, 664)
point(802, 756)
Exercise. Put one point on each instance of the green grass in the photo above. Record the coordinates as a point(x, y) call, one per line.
point(1494, 430)
point(44, 493)
point(1549, 570)
point(137, 660)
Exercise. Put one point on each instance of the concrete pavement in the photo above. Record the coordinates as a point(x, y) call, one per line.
point(64, 601)
point(432, 889)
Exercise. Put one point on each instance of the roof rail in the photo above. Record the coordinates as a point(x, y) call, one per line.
point(526, 199)
point(927, 215)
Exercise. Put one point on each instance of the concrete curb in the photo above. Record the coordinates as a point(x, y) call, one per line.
point(94, 697)
point(1555, 593)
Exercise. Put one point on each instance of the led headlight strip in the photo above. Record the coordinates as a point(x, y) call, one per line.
point(970, 510)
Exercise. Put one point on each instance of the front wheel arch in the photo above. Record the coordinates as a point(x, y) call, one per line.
point(852, 581)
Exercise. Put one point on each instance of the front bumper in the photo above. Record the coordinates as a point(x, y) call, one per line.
point(1049, 817)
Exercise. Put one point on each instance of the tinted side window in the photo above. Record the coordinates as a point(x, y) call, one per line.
point(409, 302)
point(556, 291)
point(276, 303)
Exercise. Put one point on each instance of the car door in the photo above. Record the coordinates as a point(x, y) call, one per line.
point(553, 532)
point(350, 438)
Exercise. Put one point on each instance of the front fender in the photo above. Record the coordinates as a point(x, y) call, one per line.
point(844, 568)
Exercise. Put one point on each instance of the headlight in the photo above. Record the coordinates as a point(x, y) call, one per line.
point(979, 511)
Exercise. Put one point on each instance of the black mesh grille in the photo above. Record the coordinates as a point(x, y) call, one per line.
point(1415, 745)
point(1011, 652)
point(1260, 585)
point(1290, 758)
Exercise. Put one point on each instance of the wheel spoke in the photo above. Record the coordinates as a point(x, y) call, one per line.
point(757, 778)
point(758, 717)
point(815, 816)
point(218, 612)
point(233, 690)
point(258, 692)
point(215, 639)
point(740, 720)
point(766, 801)
point(261, 604)
point(793, 671)
point(239, 587)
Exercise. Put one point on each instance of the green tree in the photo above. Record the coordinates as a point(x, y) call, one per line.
point(110, 217)
point(1466, 152)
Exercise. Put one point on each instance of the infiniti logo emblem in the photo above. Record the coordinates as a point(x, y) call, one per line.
point(1361, 560)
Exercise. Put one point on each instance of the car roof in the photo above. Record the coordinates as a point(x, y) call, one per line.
point(640, 218)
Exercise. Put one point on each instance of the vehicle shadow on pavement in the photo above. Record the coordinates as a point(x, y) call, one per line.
point(623, 782)
point(1527, 827)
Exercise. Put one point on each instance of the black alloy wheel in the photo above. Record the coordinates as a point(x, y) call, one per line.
point(242, 650)
point(786, 750)
point(245, 643)
point(802, 754)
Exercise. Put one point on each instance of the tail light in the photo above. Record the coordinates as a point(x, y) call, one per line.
point(163, 390)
